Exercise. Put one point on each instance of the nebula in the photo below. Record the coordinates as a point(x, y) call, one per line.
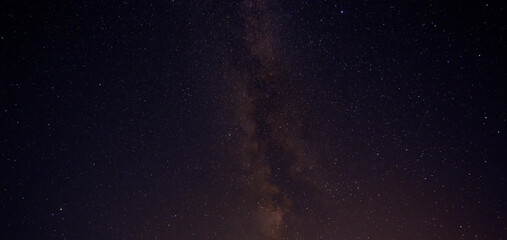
point(267, 113)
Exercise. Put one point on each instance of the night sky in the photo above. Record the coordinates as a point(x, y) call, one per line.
point(253, 120)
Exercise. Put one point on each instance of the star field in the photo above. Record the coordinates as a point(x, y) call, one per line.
point(253, 120)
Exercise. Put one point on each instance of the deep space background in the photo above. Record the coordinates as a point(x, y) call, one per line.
point(253, 119)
